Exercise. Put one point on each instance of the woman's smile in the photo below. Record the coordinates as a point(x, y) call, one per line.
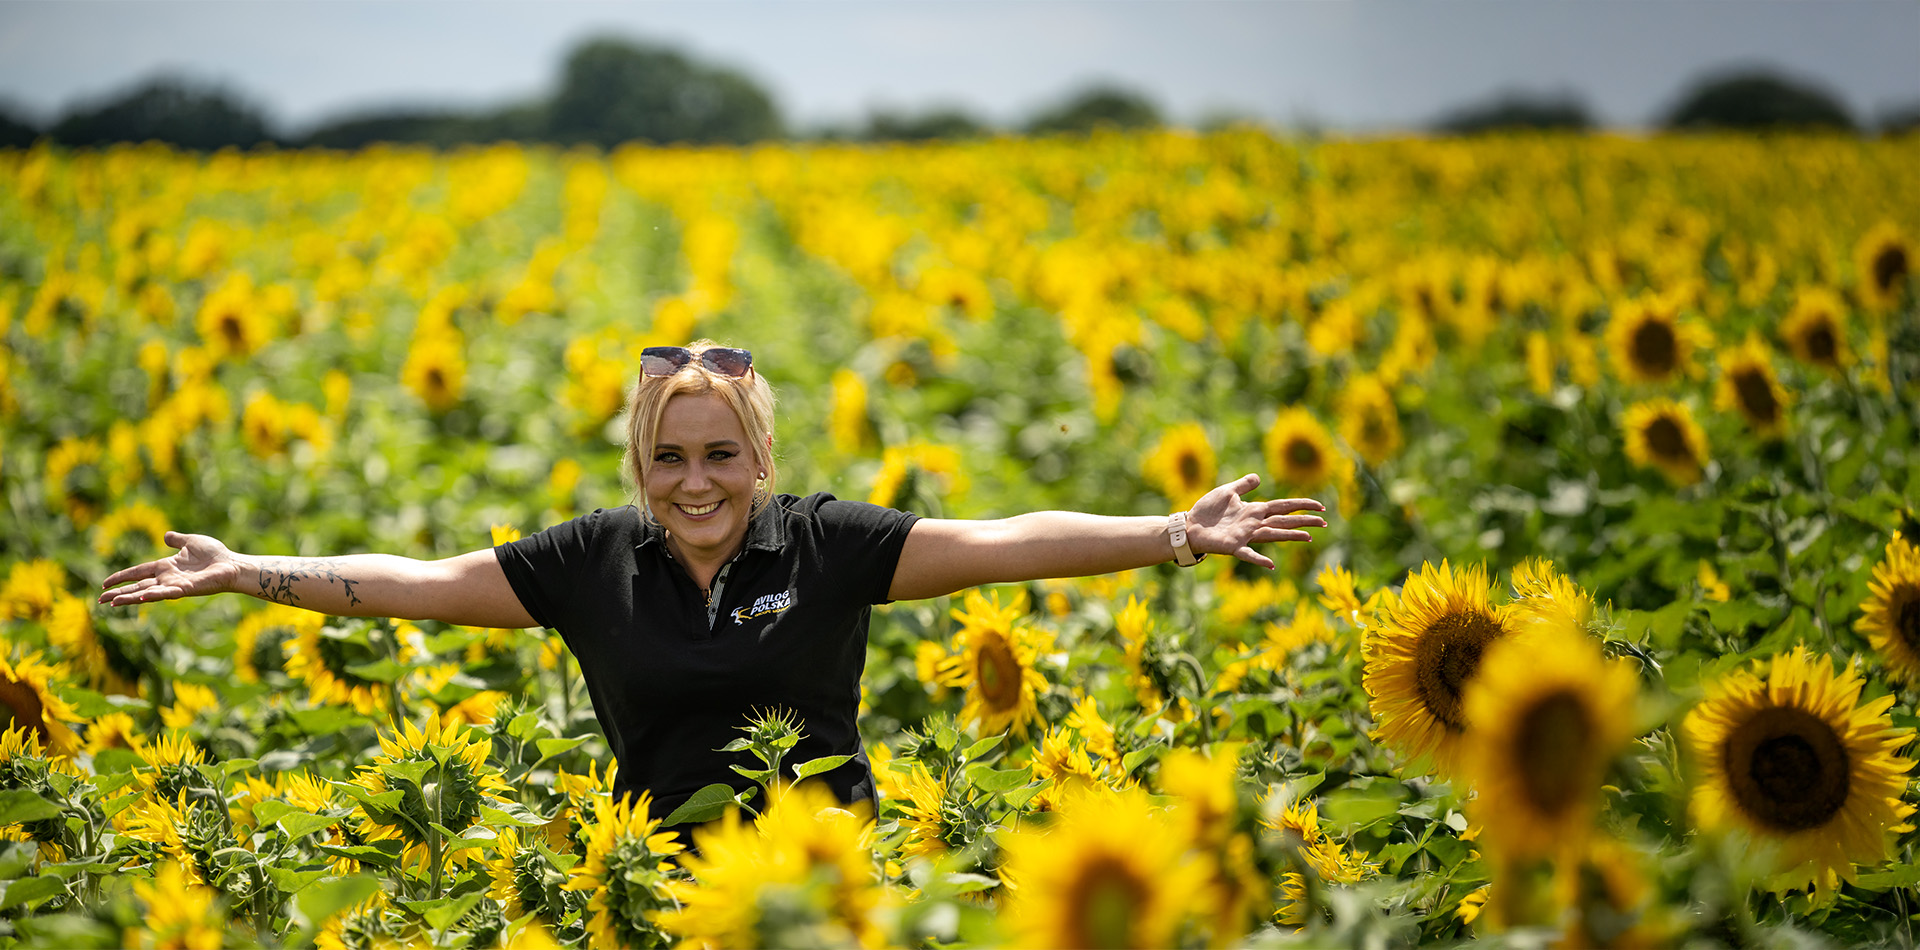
point(702, 478)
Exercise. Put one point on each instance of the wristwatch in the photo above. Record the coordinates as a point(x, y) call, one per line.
point(1177, 533)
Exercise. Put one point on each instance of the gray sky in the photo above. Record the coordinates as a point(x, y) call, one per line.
point(1358, 64)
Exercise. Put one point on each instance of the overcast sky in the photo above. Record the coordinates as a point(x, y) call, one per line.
point(1361, 65)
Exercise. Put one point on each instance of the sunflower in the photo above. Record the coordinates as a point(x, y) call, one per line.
point(1207, 809)
point(1786, 752)
point(801, 875)
point(28, 700)
point(1300, 453)
point(924, 812)
point(993, 661)
point(1544, 595)
point(1181, 465)
point(625, 872)
point(1648, 342)
point(1748, 386)
point(260, 637)
point(1661, 433)
point(321, 660)
point(1337, 592)
point(367, 924)
point(181, 914)
point(1891, 613)
point(1094, 731)
point(113, 731)
point(1546, 716)
point(138, 518)
point(1883, 262)
point(264, 425)
point(456, 772)
point(1111, 872)
point(231, 321)
point(1322, 854)
point(1063, 762)
point(1609, 893)
point(1369, 421)
point(31, 589)
point(848, 426)
point(436, 370)
point(70, 630)
point(1422, 658)
point(75, 484)
point(1816, 330)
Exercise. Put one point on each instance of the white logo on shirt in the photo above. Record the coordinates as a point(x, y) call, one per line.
point(766, 604)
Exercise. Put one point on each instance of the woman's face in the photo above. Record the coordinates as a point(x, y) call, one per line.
point(700, 486)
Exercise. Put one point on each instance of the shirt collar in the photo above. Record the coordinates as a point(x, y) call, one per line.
point(766, 530)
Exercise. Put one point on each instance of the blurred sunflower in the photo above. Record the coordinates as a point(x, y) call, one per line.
point(457, 780)
point(436, 370)
point(320, 657)
point(1649, 344)
point(75, 480)
point(113, 731)
point(625, 872)
point(363, 926)
point(847, 424)
point(1111, 872)
point(1063, 762)
point(1300, 453)
point(259, 638)
point(31, 589)
point(1369, 421)
point(1337, 592)
point(1206, 789)
point(993, 660)
point(801, 875)
point(1546, 716)
point(231, 322)
point(1748, 386)
point(1181, 465)
point(1421, 660)
point(1883, 263)
point(1786, 752)
point(1891, 613)
point(136, 518)
point(70, 630)
point(182, 914)
point(1816, 330)
point(28, 699)
point(1094, 731)
point(263, 424)
point(1609, 894)
point(1661, 433)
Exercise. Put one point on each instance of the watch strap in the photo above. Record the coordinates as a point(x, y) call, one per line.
point(1177, 534)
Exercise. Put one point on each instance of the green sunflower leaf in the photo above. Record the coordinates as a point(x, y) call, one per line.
point(300, 825)
point(817, 766)
point(989, 779)
point(413, 771)
point(31, 890)
point(318, 903)
point(270, 811)
point(19, 805)
point(381, 854)
point(553, 747)
point(513, 814)
point(441, 914)
point(705, 805)
point(16, 857)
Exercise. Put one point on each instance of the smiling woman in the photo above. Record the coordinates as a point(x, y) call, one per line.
point(714, 596)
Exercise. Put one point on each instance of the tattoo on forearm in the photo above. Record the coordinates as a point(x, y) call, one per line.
point(277, 577)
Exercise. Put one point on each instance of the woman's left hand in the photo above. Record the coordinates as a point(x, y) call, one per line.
point(1222, 523)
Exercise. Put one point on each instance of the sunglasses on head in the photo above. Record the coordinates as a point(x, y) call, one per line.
point(668, 360)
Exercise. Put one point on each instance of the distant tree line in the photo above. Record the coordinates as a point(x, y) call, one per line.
point(613, 90)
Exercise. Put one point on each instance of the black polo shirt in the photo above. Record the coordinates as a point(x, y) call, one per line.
point(673, 678)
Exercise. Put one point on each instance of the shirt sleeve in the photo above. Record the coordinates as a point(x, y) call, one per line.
point(545, 569)
point(864, 543)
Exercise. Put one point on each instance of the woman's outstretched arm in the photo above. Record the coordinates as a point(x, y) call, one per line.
point(469, 589)
point(942, 556)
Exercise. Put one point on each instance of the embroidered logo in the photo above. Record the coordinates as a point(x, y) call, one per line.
point(765, 605)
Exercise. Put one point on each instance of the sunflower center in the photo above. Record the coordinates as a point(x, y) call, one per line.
point(1889, 268)
point(1787, 769)
point(1554, 739)
point(1654, 347)
point(1446, 659)
point(1821, 345)
point(436, 380)
point(22, 706)
point(231, 331)
point(1666, 440)
point(1189, 468)
point(998, 674)
point(1102, 903)
point(1906, 620)
point(1303, 455)
point(1756, 396)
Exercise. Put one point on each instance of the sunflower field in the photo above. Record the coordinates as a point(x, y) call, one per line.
point(1613, 638)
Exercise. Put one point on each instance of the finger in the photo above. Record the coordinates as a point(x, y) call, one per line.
point(134, 573)
point(1269, 535)
point(1245, 483)
point(1294, 521)
point(174, 539)
point(1281, 506)
point(1253, 557)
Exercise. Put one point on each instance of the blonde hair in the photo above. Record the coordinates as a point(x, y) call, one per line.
point(750, 398)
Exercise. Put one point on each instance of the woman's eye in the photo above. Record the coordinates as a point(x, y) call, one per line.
point(667, 457)
point(720, 456)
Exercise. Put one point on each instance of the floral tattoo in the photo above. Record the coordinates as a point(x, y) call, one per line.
point(277, 577)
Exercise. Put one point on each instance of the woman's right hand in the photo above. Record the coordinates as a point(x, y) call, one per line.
point(201, 566)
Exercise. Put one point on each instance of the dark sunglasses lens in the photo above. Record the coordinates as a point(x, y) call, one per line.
point(727, 361)
point(664, 360)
